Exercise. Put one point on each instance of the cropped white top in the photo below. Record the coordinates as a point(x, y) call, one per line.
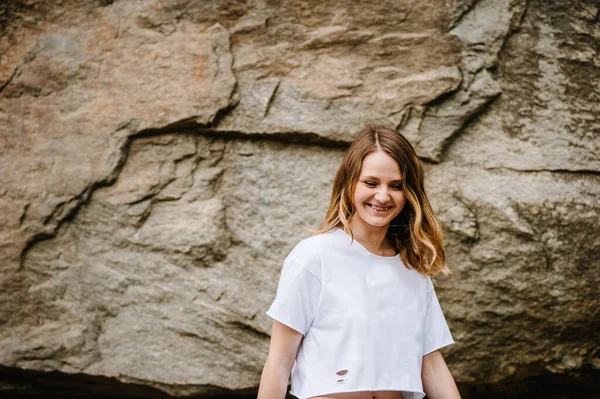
point(367, 320)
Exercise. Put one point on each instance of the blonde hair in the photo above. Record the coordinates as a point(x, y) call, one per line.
point(415, 231)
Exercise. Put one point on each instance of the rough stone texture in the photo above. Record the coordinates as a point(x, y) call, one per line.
point(76, 85)
point(159, 159)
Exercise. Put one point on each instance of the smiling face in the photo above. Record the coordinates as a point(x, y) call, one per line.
point(378, 196)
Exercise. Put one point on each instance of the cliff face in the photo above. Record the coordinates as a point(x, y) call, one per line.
point(159, 157)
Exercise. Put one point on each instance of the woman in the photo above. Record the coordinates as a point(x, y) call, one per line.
point(356, 315)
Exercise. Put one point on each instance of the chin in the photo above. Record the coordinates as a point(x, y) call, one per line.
point(376, 223)
point(379, 224)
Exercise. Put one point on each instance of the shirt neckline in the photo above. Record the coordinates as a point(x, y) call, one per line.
point(364, 250)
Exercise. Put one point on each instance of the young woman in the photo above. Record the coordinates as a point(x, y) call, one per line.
point(356, 315)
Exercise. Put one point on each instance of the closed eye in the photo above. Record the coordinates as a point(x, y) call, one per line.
point(373, 184)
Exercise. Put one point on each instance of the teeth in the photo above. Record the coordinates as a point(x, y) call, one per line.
point(380, 209)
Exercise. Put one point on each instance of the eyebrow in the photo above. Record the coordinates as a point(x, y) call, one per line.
point(375, 178)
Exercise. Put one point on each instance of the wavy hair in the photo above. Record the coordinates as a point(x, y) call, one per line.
point(415, 230)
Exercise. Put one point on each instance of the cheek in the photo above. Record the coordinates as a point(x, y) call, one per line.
point(359, 195)
point(400, 199)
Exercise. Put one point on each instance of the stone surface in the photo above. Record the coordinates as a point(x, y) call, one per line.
point(326, 68)
point(186, 276)
point(76, 86)
point(519, 244)
point(546, 117)
point(160, 158)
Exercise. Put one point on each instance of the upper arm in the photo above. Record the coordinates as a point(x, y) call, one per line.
point(437, 334)
point(297, 298)
point(295, 306)
point(284, 345)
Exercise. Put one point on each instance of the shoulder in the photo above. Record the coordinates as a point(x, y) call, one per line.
point(309, 252)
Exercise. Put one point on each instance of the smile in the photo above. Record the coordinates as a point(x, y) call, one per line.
point(379, 208)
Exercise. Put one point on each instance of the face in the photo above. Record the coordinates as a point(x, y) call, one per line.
point(378, 196)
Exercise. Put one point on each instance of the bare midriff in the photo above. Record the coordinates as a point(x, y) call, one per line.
point(362, 395)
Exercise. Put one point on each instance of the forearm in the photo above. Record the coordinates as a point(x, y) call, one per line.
point(438, 383)
point(273, 381)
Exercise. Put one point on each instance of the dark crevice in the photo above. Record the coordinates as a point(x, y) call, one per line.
point(473, 210)
point(538, 383)
point(24, 214)
point(249, 328)
point(9, 80)
point(105, 3)
point(187, 125)
point(271, 99)
point(30, 243)
point(187, 334)
point(300, 138)
point(579, 172)
point(18, 383)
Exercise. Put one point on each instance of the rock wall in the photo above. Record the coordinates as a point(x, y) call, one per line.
point(159, 158)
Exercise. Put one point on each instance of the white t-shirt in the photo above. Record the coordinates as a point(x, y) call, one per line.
point(367, 320)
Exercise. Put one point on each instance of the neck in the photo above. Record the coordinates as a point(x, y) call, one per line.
point(371, 237)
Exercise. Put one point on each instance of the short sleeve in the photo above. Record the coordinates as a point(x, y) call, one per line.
point(297, 298)
point(437, 333)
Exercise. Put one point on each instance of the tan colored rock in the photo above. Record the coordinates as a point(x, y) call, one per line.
point(338, 76)
point(85, 81)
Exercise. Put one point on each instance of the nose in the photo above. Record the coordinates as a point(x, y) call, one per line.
point(382, 195)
